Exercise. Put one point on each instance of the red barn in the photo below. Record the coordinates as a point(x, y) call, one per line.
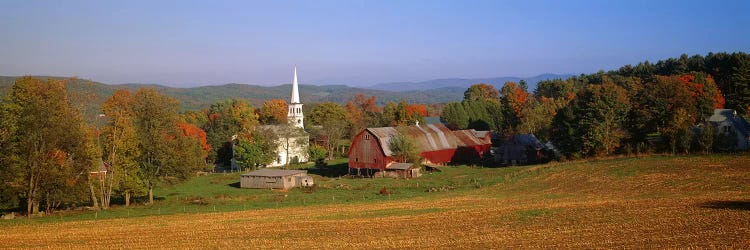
point(438, 145)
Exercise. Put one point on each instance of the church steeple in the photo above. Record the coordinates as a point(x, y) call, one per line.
point(295, 89)
point(295, 116)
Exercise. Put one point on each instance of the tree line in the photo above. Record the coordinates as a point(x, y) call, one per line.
point(53, 159)
point(659, 107)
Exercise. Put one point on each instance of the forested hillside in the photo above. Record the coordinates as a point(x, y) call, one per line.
point(202, 97)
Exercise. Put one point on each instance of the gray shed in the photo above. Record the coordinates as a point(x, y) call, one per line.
point(276, 179)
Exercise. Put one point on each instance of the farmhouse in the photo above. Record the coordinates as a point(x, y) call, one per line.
point(276, 179)
point(729, 123)
point(521, 149)
point(370, 149)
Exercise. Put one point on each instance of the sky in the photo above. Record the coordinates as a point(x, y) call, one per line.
point(354, 42)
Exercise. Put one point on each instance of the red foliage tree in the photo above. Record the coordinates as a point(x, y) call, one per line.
point(191, 130)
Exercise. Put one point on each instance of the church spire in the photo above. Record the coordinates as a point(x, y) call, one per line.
point(295, 88)
point(295, 115)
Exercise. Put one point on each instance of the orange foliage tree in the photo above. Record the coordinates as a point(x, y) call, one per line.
point(191, 130)
point(273, 112)
point(362, 112)
point(412, 110)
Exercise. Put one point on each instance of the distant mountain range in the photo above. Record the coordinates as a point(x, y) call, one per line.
point(464, 83)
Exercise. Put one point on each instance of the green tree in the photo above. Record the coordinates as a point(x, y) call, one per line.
point(155, 119)
point(260, 150)
point(455, 116)
point(404, 149)
point(46, 157)
point(227, 119)
point(120, 150)
point(331, 118)
point(594, 124)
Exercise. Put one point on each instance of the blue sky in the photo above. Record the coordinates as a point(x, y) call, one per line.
point(188, 43)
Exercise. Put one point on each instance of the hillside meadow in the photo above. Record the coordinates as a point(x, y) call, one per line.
point(647, 202)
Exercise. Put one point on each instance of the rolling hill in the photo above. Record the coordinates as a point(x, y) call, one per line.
point(197, 98)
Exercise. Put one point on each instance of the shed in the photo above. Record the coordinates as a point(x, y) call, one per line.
point(276, 179)
point(404, 170)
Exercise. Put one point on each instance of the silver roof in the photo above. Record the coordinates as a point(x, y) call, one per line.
point(275, 172)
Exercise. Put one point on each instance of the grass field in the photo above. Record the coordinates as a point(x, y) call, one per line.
point(650, 202)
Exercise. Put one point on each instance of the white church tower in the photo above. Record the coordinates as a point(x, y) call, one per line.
point(295, 115)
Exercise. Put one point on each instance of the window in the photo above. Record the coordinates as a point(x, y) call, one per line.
point(367, 137)
point(356, 159)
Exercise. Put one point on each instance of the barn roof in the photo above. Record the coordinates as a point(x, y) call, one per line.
point(275, 172)
point(467, 138)
point(481, 134)
point(430, 137)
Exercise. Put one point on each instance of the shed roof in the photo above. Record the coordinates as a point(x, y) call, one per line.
point(275, 172)
point(399, 166)
point(430, 137)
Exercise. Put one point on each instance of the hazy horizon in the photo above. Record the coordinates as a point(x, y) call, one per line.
point(355, 43)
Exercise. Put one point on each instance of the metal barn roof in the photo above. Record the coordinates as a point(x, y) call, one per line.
point(431, 137)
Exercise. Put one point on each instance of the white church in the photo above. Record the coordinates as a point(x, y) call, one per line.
point(293, 141)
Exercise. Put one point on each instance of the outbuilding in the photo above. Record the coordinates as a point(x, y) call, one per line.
point(276, 179)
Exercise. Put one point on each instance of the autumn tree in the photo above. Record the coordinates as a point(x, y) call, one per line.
point(166, 154)
point(120, 150)
point(481, 91)
point(514, 100)
point(47, 144)
point(273, 112)
point(362, 113)
point(225, 120)
point(331, 118)
point(192, 131)
point(415, 112)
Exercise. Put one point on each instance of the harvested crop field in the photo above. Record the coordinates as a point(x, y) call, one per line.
point(651, 202)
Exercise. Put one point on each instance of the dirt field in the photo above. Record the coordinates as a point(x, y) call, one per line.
point(654, 202)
